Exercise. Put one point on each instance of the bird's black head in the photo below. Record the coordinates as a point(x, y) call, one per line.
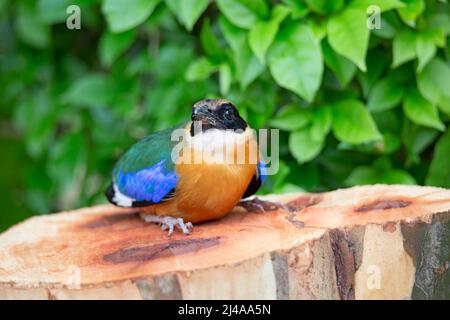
point(216, 114)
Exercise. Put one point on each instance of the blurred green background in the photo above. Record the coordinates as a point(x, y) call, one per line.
point(355, 106)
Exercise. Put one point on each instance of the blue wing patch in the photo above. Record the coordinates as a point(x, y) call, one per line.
point(262, 170)
point(256, 181)
point(151, 185)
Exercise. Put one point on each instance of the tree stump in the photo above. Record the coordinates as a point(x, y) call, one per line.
point(368, 242)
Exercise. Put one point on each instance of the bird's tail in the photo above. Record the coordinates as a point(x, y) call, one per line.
point(119, 199)
point(110, 194)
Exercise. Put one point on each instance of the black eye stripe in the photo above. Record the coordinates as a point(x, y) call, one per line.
point(227, 108)
point(219, 116)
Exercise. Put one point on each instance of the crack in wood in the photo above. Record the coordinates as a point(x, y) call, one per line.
point(280, 270)
point(161, 250)
point(431, 245)
point(383, 205)
point(303, 202)
point(344, 264)
point(297, 223)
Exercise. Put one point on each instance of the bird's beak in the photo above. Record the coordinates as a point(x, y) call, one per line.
point(203, 115)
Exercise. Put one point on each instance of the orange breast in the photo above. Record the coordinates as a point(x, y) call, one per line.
point(207, 191)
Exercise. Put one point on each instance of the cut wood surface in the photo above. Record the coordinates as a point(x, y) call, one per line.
point(368, 242)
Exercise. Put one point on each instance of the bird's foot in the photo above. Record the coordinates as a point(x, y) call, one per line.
point(258, 205)
point(168, 222)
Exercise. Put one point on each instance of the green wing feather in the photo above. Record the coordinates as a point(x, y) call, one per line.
point(146, 173)
point(149, 151)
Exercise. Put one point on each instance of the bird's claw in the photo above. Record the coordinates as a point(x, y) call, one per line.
point(258, 205)
point(170, 223)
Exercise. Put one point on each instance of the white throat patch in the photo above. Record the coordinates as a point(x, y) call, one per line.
point(216, 146)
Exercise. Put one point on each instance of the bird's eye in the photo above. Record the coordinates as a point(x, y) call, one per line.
point(228, 114)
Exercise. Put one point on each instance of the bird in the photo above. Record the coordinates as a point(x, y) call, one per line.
point(176, 191)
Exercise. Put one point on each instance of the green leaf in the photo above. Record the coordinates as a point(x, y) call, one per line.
point(247, 66)
point(303, 146)
point(318, 28)
point(348, 35)
point(224, 78)
point(438, 36)
point(384, 5)
point(36, 116)
point(439, 172)
point(412, 10)
point(67, 155)
point(352, 122)
point(277, 181)
point(423, 137)
point(112, 45)
point(234, 36)
point(291, 117)
point(360, 176)
point(187, 11)
point(260, 7)
point(342, 68)
point(30, 28)
point(403, 47)
point(262, 33)
point(279, 13)
point(243, 13)
point(387, 30)
point(377, 62)
point(385, 94)
point(425, 49)
point(325, 6)
point(433, 84)
point(439, 20)
point(210, 43)
point(367, 175)
point(416, 139)
point(200, 69)
point(52, 11)
point(139, 65)
point(295, 61)
point(391, 143)
point(123, 15)
point(444, 104)
point(321, 122)
point(420, 111)
point(91, 90)
point(261, 36)
point(299, 9)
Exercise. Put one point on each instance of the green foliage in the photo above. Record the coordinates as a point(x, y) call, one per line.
point(123, 15)
point(349, 36)
point(187, 11)
point(353, 105)
point(352, 122)
point(420, 111)
point(439, 174)
point(295, 61)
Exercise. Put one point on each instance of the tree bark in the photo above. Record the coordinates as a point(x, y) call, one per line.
point(368, 242)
